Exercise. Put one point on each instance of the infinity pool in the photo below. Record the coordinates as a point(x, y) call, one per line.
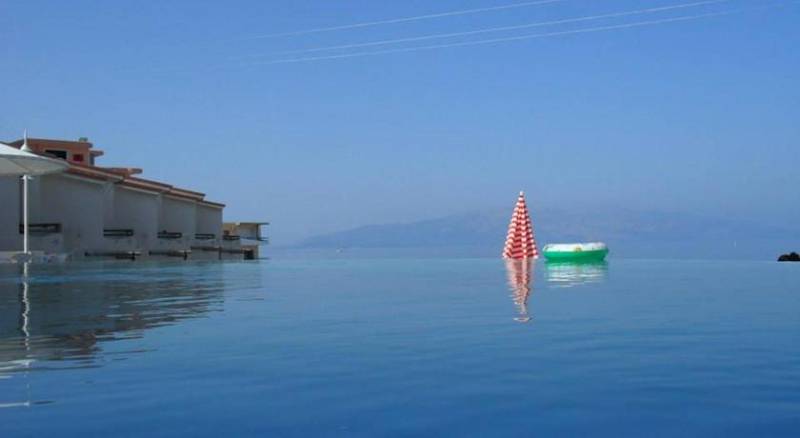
point(403, 347)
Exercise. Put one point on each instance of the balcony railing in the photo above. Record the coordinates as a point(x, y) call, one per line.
point(169, 235)
point(41, 228)
point(184, 254)
point(118, 232)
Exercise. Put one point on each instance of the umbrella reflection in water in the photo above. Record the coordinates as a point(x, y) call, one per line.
point(520, 281)
point(21, 365)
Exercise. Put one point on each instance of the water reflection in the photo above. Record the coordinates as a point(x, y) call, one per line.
point(520, 281)
point(64, 317)
point(568, 274)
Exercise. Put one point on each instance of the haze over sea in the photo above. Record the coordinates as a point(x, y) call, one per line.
point(630, 234)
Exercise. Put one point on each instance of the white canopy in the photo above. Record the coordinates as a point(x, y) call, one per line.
point(14, 162)
point(21, 162)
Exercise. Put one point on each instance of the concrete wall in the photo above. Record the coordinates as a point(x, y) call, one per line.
point(208, 221)
point(136, 210)
point(76, 204)
point(10, 239)
point(179, 216)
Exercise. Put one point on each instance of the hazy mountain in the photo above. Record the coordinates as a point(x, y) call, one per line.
point(628, 232)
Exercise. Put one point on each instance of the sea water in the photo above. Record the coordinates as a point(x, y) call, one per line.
point(401, 347)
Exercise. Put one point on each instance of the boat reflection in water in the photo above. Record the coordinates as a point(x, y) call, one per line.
point(520, 281)
point(568, 274)
point(67, 317)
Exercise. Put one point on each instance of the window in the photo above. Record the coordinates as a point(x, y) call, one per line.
point(77, 158)
point(57, 154)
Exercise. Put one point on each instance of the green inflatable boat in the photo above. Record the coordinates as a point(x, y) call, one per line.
point(575, 252)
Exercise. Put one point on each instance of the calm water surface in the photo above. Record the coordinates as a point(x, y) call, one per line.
point(401, 347)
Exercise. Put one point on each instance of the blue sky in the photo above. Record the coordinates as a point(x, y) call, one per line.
point(693, 116)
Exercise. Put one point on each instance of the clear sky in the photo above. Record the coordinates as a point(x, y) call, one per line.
point(697, 115)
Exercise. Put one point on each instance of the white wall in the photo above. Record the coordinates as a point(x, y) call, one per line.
point(10, 239)
point(176, 215)
point(78, 205)
point(209, 220)
point(136, 210)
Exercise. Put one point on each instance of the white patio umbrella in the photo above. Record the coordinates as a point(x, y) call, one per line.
point(23, 162)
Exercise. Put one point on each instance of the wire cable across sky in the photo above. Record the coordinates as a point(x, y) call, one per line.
point(500, 40)
point(479, 42)
point(406, 19)
point(497, 29)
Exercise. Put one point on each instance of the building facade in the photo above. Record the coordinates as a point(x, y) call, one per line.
point(249, 236)
point(91, 211)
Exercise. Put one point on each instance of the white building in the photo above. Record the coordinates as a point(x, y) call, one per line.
point(91, 211)
point(248, 235)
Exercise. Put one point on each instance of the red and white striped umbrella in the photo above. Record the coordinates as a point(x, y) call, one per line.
point(520, 243)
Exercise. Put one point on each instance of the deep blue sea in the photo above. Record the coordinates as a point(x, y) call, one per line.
point(401, 347)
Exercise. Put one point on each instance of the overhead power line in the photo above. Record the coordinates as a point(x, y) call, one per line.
point(498, 40)
point(496, 29)
point(405, 19)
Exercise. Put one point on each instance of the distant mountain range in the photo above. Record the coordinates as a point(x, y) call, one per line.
point(628, 232)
